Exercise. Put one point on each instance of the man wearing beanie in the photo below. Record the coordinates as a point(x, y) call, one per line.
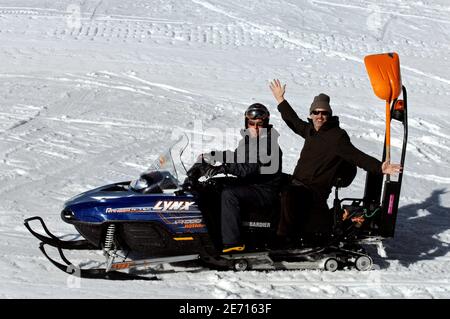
point(304, 202)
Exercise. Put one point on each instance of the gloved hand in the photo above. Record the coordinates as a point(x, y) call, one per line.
point(196, 171)
point(207, 158)
point(214, 170)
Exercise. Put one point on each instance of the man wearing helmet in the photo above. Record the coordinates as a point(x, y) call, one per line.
point(326, 147)
point(257, 164)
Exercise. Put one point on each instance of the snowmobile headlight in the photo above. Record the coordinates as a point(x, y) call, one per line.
point(67, 214)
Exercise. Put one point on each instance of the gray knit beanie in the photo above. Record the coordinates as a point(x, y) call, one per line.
point(321, 101)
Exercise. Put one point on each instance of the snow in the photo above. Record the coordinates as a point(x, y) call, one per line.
point(91, 93)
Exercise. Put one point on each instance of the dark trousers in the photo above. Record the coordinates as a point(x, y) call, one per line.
point(302, 213)
point(234, 198)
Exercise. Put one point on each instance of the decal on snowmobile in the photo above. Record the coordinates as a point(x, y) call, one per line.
point(391, 204)
point(257, 224)
point(183, 238)
point(129, 210)
point(163, 205)
point(188, 221)
point(199, 225)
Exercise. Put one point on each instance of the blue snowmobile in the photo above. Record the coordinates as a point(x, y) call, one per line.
point(156, 219)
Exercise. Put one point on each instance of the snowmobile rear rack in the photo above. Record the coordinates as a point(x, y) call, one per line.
point(54, 241)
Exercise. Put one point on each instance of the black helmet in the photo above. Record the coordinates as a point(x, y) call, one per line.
point(257, 111)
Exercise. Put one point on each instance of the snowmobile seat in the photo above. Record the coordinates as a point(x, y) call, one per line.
point(266, 219)
point(321, 220)
point(345, 175)
point(263, 219)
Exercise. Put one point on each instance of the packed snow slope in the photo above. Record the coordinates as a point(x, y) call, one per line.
point(92, 91)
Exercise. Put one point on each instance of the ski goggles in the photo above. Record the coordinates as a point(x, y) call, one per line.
point(256, 114)
point(255, 123)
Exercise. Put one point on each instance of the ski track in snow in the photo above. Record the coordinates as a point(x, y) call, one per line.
point(85, 106)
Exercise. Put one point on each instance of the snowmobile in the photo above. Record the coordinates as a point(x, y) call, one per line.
point(155, 219)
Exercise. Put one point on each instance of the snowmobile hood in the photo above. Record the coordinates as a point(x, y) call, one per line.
point(119, 202)
point(102, 193)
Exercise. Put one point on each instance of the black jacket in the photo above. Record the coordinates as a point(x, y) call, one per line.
point(324, 151)
point(256, 161)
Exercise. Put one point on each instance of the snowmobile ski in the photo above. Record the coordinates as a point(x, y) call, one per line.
point(54, 241)
point(94, 273)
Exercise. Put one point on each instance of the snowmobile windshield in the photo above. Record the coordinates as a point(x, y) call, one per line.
point(155, 182)
point(164, 173)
